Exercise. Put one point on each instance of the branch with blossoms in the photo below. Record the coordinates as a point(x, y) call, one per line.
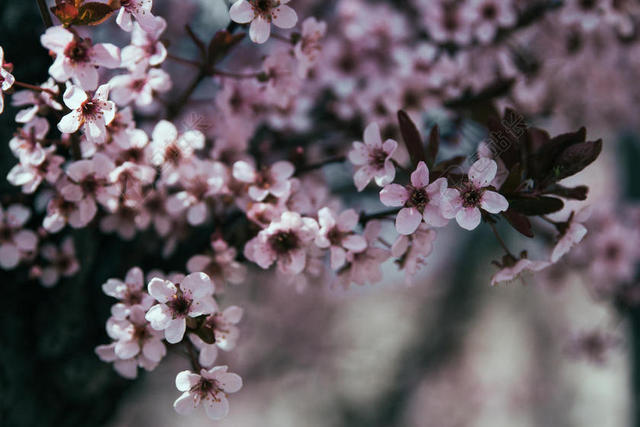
point(107, 143)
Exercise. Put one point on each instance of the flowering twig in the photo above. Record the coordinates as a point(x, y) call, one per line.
point(34, 87)
point(502, 243)
point(364, 218)
point(319, 165)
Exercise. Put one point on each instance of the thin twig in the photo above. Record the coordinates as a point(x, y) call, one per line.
point(34, 87)
point(364, 218)
point(44, 12)
point(504, 246)
point(314, 166)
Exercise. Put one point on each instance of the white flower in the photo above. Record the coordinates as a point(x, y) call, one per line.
point(93, 114)
point(261, 13)
point(76, 58)
point(374, 158)
point(211, 388)
point(15, 242)
point(138, 9)
point(192, 297)
point(274, 180)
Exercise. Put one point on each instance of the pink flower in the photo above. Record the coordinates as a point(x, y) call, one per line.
point(573, 233)
point(26, 143)
point(420, 200)
point(167, 146)
point(284, 241)
point(192, 297)
point(138, 9)
point(130, 292)
point(93, 114)
point(365, 267)
point(145, 49)
point(30, 175)
point(489, 15)
point(274, 180)
point(261, 13)
point(211, 388)
point(336, 233)
point(89, 181)
point(473, 194)
point(374, 158)
point(134, 336)
point(15, 242)
point(62, 262)
point(37, 100)
point(139, 86)
point(411, 250)
point(221, 331)
point(6, 79)
point(308, 48)
point(76, 58)
point(283, 83)
point(220, 264)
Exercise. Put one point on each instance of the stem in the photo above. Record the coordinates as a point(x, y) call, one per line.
point(176, 107)
point(236, 75)
point(192, 356)
point(34, 87)
point(364, 218)
point(504, 246)
point(314, 166)
point(44, 12)
point(184, 61)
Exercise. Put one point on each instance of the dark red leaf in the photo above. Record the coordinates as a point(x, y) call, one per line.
point(411, 138)
point(519, 222)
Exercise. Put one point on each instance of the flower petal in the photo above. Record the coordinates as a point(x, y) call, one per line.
point(482, 172)
point(493, 202)
point(394, 195)
point(408, 220)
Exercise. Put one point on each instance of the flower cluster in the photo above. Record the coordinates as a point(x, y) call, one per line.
point(114, 142)
point(148, 318)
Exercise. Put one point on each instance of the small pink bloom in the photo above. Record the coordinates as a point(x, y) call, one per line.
point(210, 388)
point(130, 292)
point(261, 13)
point(145, 49)
point(419, 201)
point(464, 203)
point(284, 241)
point(574, 232)
point(274, 180)
point(512, 268)
point(373, 158)
point(220, 264)
point(366, 266)
point(140, 10)
point(15, 241)
point(307, 50)
point(336, 233)
point(93, 114)
point(412, 250)
point(62, 262)
point(76, 58)
point(140, 86)
point(36, 100)
point(192, 297)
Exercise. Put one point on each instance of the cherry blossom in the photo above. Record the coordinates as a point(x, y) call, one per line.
point(336, 233)
point(38, 100)
point(145, 49)
point(30, 174)
point(6, 78)
point(489, 15)
point(373, 158)
point(411, 250)
point(192, 297)
point(220, 264)
point(16, 242)
point(93, 114)
point(464, 204)
point(140, 10)
point(210, 388)
point(307, 50)
point(129, 292)
point(261, 14)
point(274, 180)
point(134, 336)
point(78, 58)
point(285, 241)
point(513, 268)
point(62, 262)
point(139, 86)
point(365, 267)
point(220, 328)
point(419, 201)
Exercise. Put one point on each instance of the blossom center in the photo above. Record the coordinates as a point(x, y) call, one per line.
point(179, 304)
point(335, 236)
point(489, 11)
point(90, 109)
point(377, 158)
point(77, 51)
point(207, 388)
point(471, 196)
point(264, 7)
point(418, 199)
point(284, 242)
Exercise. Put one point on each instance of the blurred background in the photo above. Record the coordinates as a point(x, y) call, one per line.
point(447, 350)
